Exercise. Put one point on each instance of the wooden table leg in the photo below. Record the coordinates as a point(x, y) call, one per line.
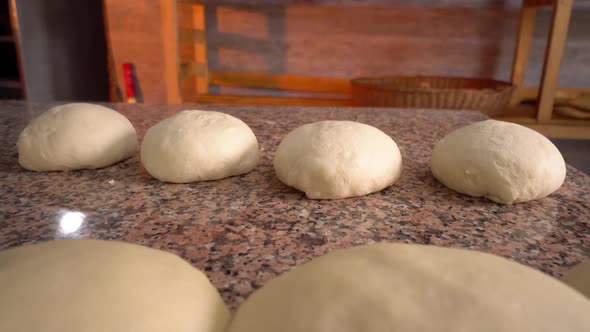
point(200, 48)
point(521, 52)
point(523, 44)
point(168, 23)
point(553, 54)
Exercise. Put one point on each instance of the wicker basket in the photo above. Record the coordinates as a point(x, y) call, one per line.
point(487, 96)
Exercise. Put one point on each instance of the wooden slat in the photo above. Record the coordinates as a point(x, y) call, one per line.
point(532, 93)
point(187, 13)
point(281, 82)
point(11, 84)
point(557, 127)
point(169, 37)
point(558, 119)
point(523, 43)
point(562, 131)
point(526, 114)
point(553, 56)
point(114, 90)
point(16, 35)
point(538, 3)
point(519, 114)
point(191, 36)
point(189, 69)
point(192, 44)
point(266, 100)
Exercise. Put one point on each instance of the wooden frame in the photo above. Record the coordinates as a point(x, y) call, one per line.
point(169, 38)
point(541, 117)
point(558, 33)
point(17, 44)
point(281, 82)
point(188, 77)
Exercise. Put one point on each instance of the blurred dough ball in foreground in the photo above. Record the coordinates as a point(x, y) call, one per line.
point(92, 286)
point(76, 136)
point(337, 159)
point(199, 146)
point(403, 287)
point(504, 162)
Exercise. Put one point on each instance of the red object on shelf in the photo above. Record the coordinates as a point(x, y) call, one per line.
point(129, 86)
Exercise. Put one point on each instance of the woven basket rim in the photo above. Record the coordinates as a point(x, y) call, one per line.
point(369, 82)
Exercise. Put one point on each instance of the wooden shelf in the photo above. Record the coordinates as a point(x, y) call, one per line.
point(524, 94)
point(8, 83)
point(6, 39)
point(265, 100)
point(524, 113)
point(564, 120)
point(527, 114)
point(557, 127)
point(538, 3)
point(537, 110)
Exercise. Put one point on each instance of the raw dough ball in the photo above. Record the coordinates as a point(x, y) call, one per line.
point(92, 286)
point(401, 287)
point(76, 136)
point(337, 159)
point(503, 161)
point(579, 278)
point(199, 146)
point(581, 102)
point(571, 112)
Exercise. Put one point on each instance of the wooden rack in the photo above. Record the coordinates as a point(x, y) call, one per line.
point(188, 77)
point(11, 81)
point(539, 115)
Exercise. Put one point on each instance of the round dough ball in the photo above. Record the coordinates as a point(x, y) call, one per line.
point(199, 146)
point(338, 159)
point(581, 102)
point(505, 162)
point(92, 286)
point(76, 136)
point(579, 278)
point(402, 287)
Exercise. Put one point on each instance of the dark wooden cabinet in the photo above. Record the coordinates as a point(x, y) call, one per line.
point(11, 82)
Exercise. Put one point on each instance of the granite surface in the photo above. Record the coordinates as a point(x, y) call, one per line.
point(244, 230)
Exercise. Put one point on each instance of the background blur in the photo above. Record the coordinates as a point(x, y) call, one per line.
point(62, 45)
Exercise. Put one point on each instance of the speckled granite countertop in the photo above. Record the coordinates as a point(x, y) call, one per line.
point(243, 231)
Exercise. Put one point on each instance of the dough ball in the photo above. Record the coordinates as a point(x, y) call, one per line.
point(505, 162)
point(579, 278)
point(571, 112)
point(76, 136)
point(199, 146)
point(92, 286)
point(402, 287)
point(337, 159)
point(581, 102)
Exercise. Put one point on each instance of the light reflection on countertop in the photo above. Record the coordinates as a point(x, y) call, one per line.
point(70, 222)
